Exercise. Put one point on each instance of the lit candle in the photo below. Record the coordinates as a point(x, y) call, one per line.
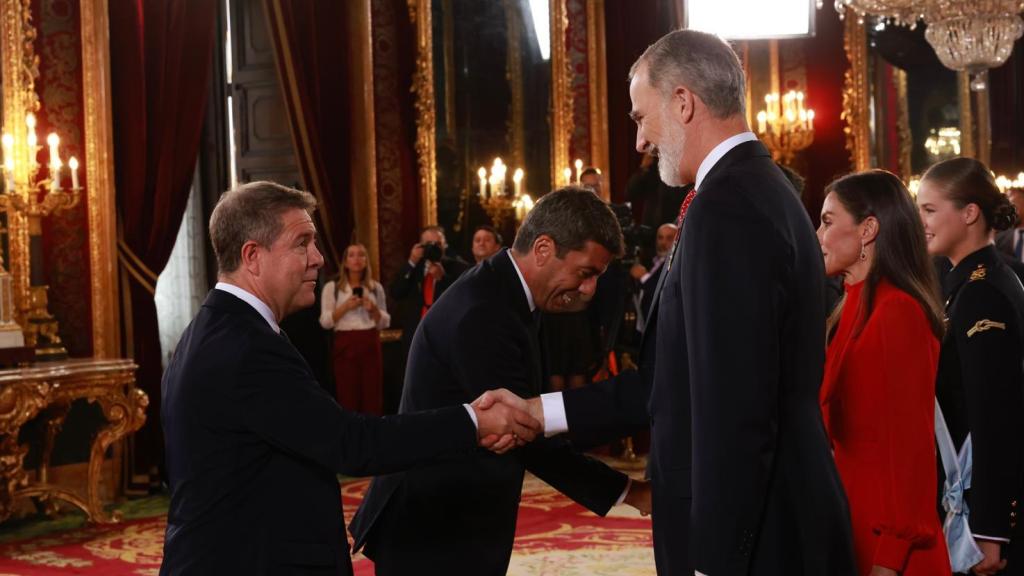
point(73, 164)
point(567, 173)
point(54, 141)
point(33, 141)
point(517, 180)
point(810, 119)
point(579, 168)
point(482, 173)
point(762, 122)
point(8, 143)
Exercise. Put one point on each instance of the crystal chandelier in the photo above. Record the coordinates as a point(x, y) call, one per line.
point(900, 11)
point(974, 36)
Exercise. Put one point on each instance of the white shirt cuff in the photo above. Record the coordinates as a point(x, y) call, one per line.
point(554, 414)
point(622, 497)
point(472, 416)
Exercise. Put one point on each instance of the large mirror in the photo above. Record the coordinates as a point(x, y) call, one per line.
point(905, 110)
point(492, 86)
point(495, 85)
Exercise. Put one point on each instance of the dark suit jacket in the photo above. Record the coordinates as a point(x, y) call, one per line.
point(407, 288)
point(254, 444)
point(460, 517)
point(735, 424)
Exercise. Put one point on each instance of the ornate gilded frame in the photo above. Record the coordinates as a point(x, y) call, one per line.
point(561, 97)
point(20, 68)
point(99, 166)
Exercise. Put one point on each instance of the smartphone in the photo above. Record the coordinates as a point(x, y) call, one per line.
point(357, 292)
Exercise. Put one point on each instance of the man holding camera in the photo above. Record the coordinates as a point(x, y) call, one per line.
point(420, 282)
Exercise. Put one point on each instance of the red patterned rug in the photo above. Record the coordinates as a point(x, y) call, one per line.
point(554, 536)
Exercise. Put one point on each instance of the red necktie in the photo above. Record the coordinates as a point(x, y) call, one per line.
point(428, 293)
point(682, 211)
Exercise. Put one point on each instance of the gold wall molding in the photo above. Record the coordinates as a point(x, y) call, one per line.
point(561, 93)
point(363, 135)
point(426, 112)
point(906, 138)
point(99, 171)
point(20, 70)
point(963, 84)
point(598, 74)
point(514, 71)
point(855, 95)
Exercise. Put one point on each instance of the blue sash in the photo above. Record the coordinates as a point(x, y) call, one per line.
point(963, 551)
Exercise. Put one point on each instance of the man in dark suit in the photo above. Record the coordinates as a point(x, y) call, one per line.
point(253, 443)
point(459, 517)
point(665, 237)
point(420, 282)
point(742, 477)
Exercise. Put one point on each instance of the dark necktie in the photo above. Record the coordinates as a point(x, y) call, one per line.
point(1018, 250)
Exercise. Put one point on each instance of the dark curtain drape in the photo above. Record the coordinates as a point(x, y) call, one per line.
point(312, 51)
point(160, 69)
point(1006, 84)
point(630, 27)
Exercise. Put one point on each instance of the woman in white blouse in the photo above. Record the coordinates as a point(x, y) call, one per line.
point(353, 306)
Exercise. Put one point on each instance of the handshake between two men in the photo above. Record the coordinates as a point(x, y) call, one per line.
point(506, 421)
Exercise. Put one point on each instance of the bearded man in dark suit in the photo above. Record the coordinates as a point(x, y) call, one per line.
point(253, 443)
point(742, 476)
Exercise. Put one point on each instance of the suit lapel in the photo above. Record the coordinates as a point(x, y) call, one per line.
point(515, 297)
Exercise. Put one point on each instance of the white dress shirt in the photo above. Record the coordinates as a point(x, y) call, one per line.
point(357, 318)
point(252, 300)
point(554, 406)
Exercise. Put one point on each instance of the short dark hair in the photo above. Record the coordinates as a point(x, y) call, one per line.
point(251, 212)
point(968, 181)
point(571, 216)
point(901, 252)
point(588, 171)
point(494, 232)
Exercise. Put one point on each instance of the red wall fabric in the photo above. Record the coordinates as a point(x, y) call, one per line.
point(398, 190)
point(311, 52)
point(160, 69)
point(827, 158)
point(65, 234)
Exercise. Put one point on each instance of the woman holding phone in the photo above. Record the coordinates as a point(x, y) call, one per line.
point(354, 307)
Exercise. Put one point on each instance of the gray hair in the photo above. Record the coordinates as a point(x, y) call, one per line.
point(251, 212)
point(702, 62)
point(571, 216)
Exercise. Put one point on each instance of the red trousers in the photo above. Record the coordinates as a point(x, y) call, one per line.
point(357, 370)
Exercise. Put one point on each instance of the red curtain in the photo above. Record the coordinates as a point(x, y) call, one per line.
point(1006, 84)
point(160, 69)
point(312, 58)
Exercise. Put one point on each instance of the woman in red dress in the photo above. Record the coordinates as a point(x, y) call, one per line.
point(878, 393)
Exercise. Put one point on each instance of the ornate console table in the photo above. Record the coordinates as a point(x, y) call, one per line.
point(48, 389)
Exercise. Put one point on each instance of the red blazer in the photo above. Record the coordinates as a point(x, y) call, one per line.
point(878, 403)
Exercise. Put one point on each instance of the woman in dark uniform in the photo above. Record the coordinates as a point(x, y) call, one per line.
point(980, 384)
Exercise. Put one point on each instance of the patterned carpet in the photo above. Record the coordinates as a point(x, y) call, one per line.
point(554, 536)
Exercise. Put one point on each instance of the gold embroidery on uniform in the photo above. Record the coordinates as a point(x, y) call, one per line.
point(978, 274)
point(983, 325)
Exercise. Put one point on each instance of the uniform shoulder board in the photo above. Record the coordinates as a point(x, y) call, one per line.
point(979, 273)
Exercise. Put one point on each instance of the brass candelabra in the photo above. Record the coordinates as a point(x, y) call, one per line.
point(35, 198)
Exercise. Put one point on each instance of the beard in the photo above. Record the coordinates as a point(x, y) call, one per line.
point(670, 155)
